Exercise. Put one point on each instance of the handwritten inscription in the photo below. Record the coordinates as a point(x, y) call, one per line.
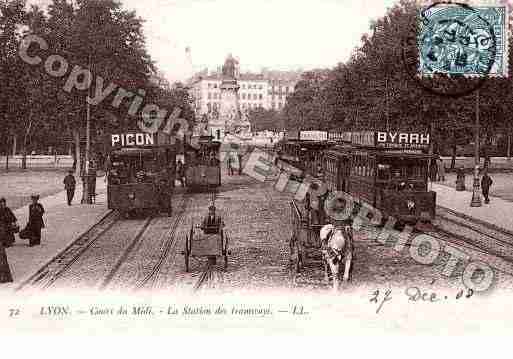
point(416, 294)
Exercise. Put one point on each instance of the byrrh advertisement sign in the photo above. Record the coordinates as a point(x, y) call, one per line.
point(391, 139)
point(402, 140)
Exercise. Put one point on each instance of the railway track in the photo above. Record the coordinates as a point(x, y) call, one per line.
point(59, 268)
point(167, 249)
point(47, 275)
point(487, 237)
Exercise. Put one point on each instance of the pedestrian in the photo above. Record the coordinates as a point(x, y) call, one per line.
point(441, 170)
point(460, 179)
point(35, 222)
point(230, 167)
point(486, 183)
point(70, 184)
point(433, 171)
point(239, 158)
point(8, 224)
point(5, 271)
point(180, 172)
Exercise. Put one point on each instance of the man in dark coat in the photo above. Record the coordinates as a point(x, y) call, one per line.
point(35, 222)
point(180, 172)
point(239, 158)
point(5, 271)
point(7, 223)
point(486, 182)
point(69, 185)
point(212, 223)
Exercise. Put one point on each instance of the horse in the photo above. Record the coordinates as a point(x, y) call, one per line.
point(337, 251)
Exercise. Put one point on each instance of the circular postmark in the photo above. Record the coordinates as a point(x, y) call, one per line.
point(450, 49)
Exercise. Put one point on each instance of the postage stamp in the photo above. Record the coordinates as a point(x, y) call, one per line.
point(459, 39)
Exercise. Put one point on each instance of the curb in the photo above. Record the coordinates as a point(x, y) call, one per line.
point(29, 277)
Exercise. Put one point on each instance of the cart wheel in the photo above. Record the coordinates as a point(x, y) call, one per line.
point(186, 255)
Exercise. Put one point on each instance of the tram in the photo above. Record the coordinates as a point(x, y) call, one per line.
point(304, 150)
point(202, 164)
point(387, 170)
point(140, 173)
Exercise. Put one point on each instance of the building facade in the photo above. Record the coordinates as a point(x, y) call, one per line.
point(267, 89)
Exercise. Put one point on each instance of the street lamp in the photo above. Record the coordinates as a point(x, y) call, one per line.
point(86, 196)
point(476, 196)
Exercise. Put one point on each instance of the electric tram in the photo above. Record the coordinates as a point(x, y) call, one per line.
point(140, 172)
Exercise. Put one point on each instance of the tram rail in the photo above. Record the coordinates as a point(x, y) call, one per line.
point(168, 247)
point(52, 271)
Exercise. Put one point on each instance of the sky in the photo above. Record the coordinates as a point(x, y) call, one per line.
point(277, 34)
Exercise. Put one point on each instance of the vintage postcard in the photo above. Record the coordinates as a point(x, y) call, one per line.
point(281, 167)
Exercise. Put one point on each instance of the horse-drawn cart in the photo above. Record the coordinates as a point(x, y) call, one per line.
point(305, 241)
point(328, 243)
point(205, 242)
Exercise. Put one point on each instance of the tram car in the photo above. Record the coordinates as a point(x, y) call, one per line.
point(304, 150)
point(388, 171)
point(202, 164)
point(140, 173)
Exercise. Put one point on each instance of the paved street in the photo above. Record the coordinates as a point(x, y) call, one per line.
point(258, 226)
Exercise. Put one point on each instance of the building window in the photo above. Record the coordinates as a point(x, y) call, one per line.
point(215, 86)
point(209, 106)
point(260, 97)
point(254, 96)
point(209, 95)
point(209, 85)
point(259, 87)
point(243, 86)
point(243, 96)
point(287, 89)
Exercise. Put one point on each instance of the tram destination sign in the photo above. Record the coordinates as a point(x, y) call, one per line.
point(339, 136)
point(132, 139)
point(313, 135)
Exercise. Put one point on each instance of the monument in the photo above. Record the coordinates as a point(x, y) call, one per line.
point(229, 121)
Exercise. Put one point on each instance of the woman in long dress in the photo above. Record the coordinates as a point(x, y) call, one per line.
point(5, 271)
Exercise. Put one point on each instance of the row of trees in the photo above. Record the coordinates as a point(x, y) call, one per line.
point(374, 90)
point(95, 34)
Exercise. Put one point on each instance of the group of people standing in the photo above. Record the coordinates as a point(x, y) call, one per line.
point(9, 227)
point(231, 165)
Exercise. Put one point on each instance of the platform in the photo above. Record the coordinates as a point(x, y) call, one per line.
point(63, 225)
point(499, 212)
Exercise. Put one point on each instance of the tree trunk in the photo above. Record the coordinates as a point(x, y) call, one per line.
point(76, 139)
point(14, 143)
point(508, 150)
point(25, 139)
point(453, 154)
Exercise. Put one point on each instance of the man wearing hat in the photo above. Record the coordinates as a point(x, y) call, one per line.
point(212, 223)
point(35, 222)
point(69, 185)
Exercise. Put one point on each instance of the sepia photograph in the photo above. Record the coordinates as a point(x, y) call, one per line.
point(272, 166)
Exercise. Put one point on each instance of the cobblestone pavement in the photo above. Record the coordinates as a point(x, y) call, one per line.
point(258, 226)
